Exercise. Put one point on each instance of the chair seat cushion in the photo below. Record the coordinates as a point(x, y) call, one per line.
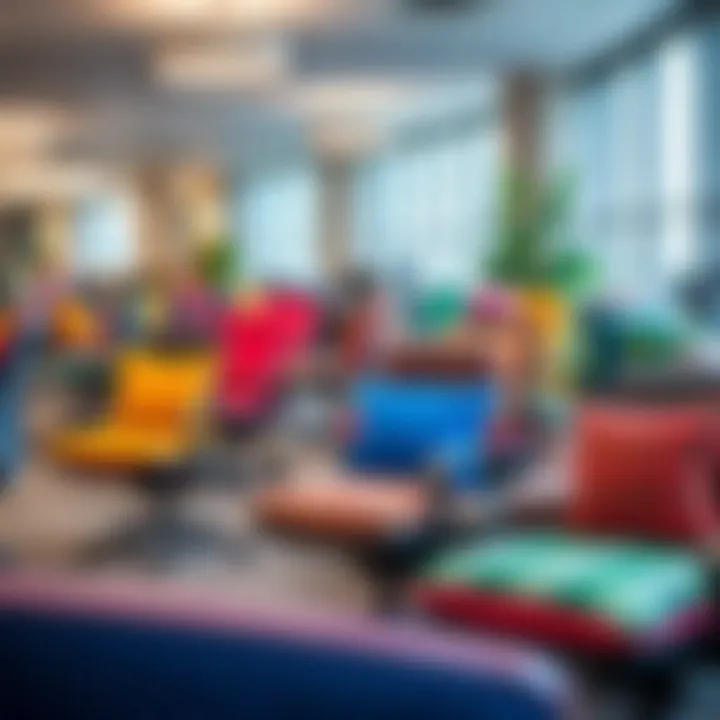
point(113, 447)
point(345, 509)
point(583, 592)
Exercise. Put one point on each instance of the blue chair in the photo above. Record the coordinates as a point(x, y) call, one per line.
point(408, 426)
point(400, 433)
point(78, 650)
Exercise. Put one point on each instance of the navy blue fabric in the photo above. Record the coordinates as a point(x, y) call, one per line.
point(14, 372)
point(403, 425)
point(82, 668)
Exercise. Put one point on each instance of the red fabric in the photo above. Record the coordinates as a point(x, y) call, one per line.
point(532, 619)
point(257, 348)
point(644, 472)
point(298, 315)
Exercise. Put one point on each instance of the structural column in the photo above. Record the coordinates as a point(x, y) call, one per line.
point(160, 241)
point(336, 215)
point(53, 224)
point(523, 118)
point(179, 208)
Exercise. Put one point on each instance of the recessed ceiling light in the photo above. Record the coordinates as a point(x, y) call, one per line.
point(254, 63)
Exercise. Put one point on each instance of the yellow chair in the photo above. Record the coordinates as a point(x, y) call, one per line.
point(153, 420)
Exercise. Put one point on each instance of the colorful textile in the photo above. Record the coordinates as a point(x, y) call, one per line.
point(633, 586)
point(644, 472)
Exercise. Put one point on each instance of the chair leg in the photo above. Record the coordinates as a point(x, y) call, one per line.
point(164, 539)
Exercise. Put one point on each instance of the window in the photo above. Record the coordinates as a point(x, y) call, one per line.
point(629, 139)
point(275, 218)
point(427, 211)
point(104, 236)
point(679, 166)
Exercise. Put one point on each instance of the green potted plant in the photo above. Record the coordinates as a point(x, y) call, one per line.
point(219, 263)
point(536, 255)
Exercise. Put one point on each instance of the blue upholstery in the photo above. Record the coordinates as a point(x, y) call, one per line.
point(77, 664)
point(403, 426)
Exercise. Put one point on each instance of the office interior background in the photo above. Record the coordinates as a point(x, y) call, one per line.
point(513, 199)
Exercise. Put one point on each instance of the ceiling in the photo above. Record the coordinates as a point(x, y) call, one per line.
point(89, 68)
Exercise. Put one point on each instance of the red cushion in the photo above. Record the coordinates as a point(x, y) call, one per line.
point(298, 315)
point(644, 472)
point(535, 620)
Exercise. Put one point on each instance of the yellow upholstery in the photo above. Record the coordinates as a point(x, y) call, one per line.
point(154, 390)
point(549, 316)
point(110, 446)
point(153, 418)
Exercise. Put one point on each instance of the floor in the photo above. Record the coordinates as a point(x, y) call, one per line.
point(48, 517)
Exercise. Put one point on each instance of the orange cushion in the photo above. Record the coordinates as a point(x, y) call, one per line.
point(115, 447)
point(645, 472)
point(343, 509)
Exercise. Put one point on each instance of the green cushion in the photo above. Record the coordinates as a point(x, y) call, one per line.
point(634, 586)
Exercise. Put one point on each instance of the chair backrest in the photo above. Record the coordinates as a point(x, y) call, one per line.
point(118, 652)
point(298, 315)
point(258, 346)
point(644, 472)
point(161, 390)
point(399, 425)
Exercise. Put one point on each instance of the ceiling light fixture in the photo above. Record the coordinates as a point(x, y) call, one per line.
point(252, 64)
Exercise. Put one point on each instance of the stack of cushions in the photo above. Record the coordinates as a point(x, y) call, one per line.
point(584, 593)
point(624, 574)
point(395, 431)
point(153, 418)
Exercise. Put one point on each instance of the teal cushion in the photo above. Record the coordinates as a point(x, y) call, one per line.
point(634, 586)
